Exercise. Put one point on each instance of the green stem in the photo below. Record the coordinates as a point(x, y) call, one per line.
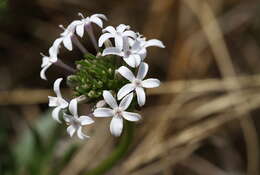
point(118, 153)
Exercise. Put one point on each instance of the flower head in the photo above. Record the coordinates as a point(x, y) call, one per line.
point(137, 83)
point(47, 61)
point(119, 33)
point(118, 112)
point(75, 122)
point(96, 18)
point(58, 102)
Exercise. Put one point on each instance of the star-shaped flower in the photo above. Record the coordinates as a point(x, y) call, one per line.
point(58, 102)
point(118, 112)
point(122, 31)
point(47, 61)
point(66, 36)
point(75, 122)
point(137, 83)
point(96, 18)
point(129, 54)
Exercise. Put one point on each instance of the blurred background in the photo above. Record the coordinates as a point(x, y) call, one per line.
point(203, 119)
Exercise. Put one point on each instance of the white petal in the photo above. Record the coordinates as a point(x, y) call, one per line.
point(71, 130)
point(56, 87)
point(110, 29)
point(68, 118)
point(125, 72)
point(122, 27)
point(53, 52)
point(103, 38)
point(151, 83)
point(42, 73)
point(53, 101)
point(130, 34)
point(102, 16)
point(140, 96)
point(126, 101)
point(56, 44)
point(80, 30)
point(126, 89)
point(110, 100)
point(45, 61)
point(154, 42)
point(101, 104)
point(130, 116)
point(112, 51)
point(136, 58)
point(116, 126)
point(62, 103)
point(67, 42)
point(142, 71)
point(130, 61)
point(119, 41)
point(103, 112)
point(55, 114)
point(97, 21)
point(85, 120)
point(80, 134)
point(73, 107)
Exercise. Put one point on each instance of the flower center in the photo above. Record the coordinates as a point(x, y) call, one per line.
point(137, 83)
point(117, 112)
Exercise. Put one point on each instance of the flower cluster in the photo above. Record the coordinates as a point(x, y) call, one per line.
point(106, 78)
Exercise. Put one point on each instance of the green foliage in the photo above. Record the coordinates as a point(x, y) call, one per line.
point(36, 151)
point(95, 74)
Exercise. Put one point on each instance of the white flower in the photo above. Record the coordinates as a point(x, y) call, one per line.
point(47, 61)
point(129, 54)
point(137, 83)
point(139, 45)
point(66, 36)
point(117, 112)
point(96, 18)
point(57, 102)
point(122, 31)
point(75, 121)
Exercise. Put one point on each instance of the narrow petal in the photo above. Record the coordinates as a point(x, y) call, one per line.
point(80, 134)
point(151, 83)
point(126, 89)
point(130, 34)
point(122, 27)
point(97, 21)
point(130, 61)
point(53, 52)
point(56, 44)
point(125, 72)
point(55, 114)
point(67, 43)
point(110, 100)
point(101, 104)
point(103, 112)
point(71, 130)
point(130, 116)
point(102, 16)
point(73, 107)
point(42, 73)
point(126, 101)
point(136, 58)
point(112, 51)
point(56, 87)
point(119, 41)
point(116, 126)
point(45, 61)
point(154, 42)
point(140, 96)
point(110, 29)
point(142, 71)
point(68, 118)
point(103, 38)
point(53, 101)
point(80, 30)
point(85, 120)
point(62, 103)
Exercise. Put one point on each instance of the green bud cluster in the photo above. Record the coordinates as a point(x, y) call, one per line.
point(95, 74)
